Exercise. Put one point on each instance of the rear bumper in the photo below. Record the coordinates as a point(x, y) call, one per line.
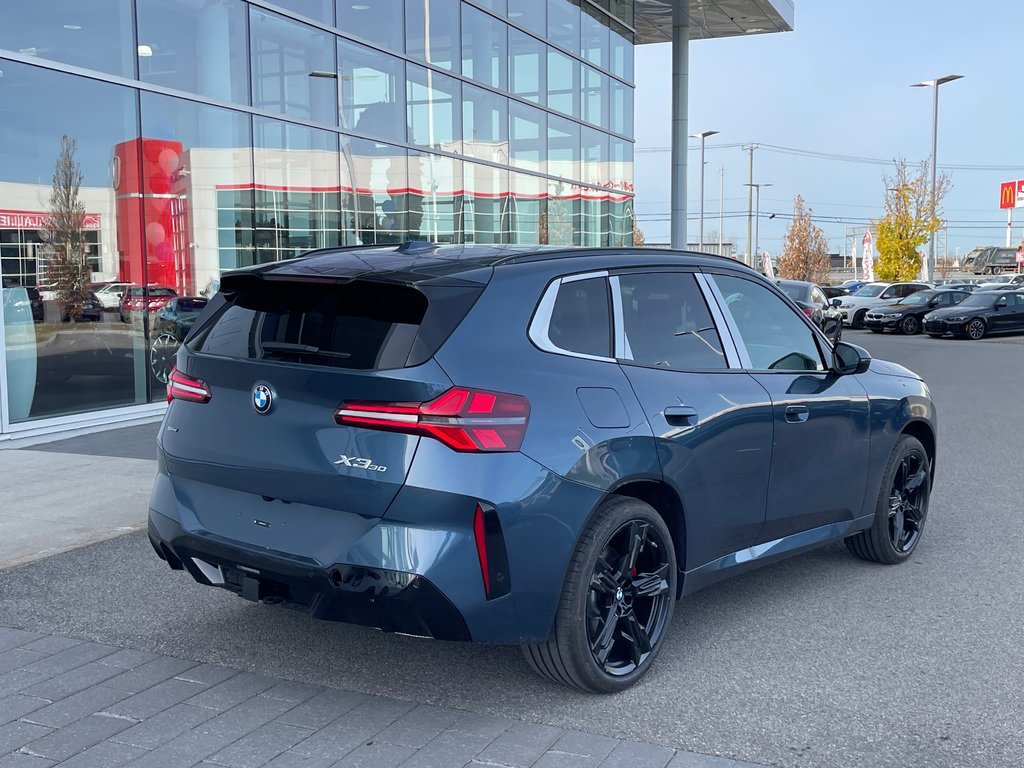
point(393, 601)
point(414, 570)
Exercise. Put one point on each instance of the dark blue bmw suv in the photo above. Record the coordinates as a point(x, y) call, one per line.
point(525, 445)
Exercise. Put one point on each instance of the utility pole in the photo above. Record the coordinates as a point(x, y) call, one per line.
point(750, 206)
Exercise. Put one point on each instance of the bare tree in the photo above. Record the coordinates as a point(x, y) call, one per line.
point(908, 221)
point(67, 270)
point(805, 253)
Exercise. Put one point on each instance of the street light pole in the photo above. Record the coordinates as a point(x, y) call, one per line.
point(934, 85)
point(702, 136)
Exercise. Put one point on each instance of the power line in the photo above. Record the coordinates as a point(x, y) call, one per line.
point(836, 157)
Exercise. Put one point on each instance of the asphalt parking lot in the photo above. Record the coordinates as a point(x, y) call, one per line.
point(820, 661)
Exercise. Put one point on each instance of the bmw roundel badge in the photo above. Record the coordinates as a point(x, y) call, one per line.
point(262, 398)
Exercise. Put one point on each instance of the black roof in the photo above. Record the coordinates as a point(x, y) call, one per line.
point(417, 262)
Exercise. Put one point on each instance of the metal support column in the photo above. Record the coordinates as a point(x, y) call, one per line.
point(680, 134)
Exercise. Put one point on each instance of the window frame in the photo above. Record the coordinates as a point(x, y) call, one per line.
point(540, 323)
point(733, 360)
point(824, 346)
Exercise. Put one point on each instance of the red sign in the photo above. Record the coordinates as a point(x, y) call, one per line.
point(1020, 255)
point(1011, 194)
point(34, 220)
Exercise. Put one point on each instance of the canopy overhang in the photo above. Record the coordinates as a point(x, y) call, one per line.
point(709, 19)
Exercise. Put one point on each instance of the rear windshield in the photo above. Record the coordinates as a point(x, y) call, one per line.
point(361, 325)
point(794, 291)
point(191, 305)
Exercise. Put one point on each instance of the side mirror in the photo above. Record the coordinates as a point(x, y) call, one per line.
point(849, 358)
point(837, 302)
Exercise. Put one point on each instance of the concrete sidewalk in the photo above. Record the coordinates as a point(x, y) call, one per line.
point(66, 494)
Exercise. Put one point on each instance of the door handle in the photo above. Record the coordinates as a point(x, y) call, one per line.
point(681, 415)
point(797, 413)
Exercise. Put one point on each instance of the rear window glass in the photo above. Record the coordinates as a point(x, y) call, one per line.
point(361, 325)
point(191, 305)
point(580, 320)
point(795, 292)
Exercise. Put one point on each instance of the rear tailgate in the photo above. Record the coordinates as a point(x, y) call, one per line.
point(307, 348)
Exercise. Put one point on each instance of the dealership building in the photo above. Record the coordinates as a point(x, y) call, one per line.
point(215, 134)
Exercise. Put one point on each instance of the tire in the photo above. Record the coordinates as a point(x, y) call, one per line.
point(975, 329)
point(570, 655)
point(910, 326)
point(896, 531)
point(858, 319)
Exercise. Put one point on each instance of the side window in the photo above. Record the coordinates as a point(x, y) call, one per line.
point(1020, 300)
point(817, 296)
point(667, 324)
point(776, 338)
point(888, 293)
point(1002, 301)
point(580, 320)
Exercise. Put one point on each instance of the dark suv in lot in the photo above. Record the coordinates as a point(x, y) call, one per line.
point(525, 445)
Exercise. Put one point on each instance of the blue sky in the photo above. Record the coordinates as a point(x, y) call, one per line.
point(839, 84)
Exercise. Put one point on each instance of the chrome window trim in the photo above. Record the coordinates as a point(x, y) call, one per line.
point(538, 331)
point(735, 353)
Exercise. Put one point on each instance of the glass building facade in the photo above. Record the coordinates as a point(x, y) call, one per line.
point(160, 142)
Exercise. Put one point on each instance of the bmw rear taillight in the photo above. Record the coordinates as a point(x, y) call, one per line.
point(181, 386)
point(808, 311)
point(469, 420)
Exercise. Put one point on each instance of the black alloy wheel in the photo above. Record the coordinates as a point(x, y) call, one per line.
point(910, 326)
point(902, 507)
point(908, 502)
point(628, 601)
point(617, 602)
point(975, 329)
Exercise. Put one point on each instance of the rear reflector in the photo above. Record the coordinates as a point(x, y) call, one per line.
point(463, 419)
point(181, 386)
point(490, 550)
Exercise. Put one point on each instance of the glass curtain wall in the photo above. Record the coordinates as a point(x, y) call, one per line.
point(252, 135)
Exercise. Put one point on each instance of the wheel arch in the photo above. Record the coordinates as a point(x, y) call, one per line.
point(666, 503)
point(923, 432)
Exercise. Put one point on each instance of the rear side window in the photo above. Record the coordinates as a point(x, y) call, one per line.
point(581, 320)
point(667, 323)
point(191, 305)
point(362, 325)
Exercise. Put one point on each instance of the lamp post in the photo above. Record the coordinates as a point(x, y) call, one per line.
point(757, 219)
point(934, 84)
point(702, 136)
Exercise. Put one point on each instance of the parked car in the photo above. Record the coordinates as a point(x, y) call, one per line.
point(35, 301)
point(852, 286)
point(814, 303)
point(110, 294)
point(907, 315)
point(992, 261)
point(171, 325)
point(1001, 282)
point(871, 295)
point(834, 291)
point(980, 314)
point(148, 298)
point(492, 444)
point(92, 309)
